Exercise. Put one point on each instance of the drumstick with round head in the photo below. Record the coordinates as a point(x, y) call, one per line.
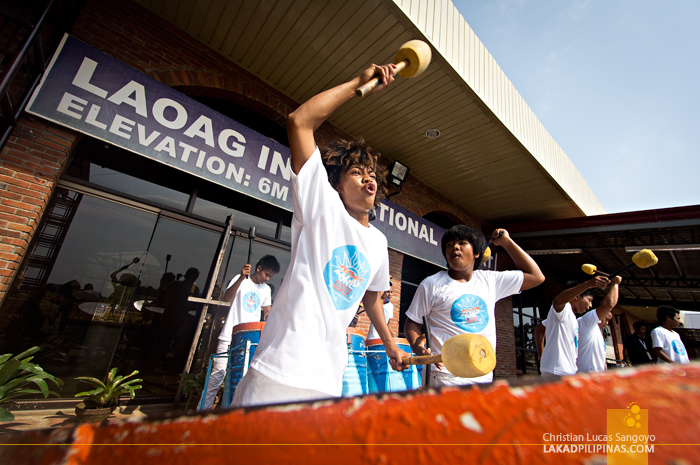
point(465, 355)
point(411, 60)
point(645, 258)
point(251, 236)
point(487, 250)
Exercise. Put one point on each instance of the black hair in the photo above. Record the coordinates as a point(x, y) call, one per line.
point(664, 312)
point(475, 238)
point(638, 324)
point(268, 262)
point(587, 292)
point(341, 154)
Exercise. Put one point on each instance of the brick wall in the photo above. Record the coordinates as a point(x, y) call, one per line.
point(30, 163)
point(505, 352)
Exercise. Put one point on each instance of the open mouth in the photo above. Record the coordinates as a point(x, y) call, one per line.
point(371, 189)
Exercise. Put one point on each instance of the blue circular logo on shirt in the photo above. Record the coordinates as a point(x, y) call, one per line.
point(251, 302)
point(576, 337)
point(347, 276)
point(469, 313)
point(678, 347)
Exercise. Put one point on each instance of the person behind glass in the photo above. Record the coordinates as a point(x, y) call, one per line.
point(636, 351)
point(338, 259)
point(592, 352)
point(388, 313)
point(463, 299)
point(558, 357)
point(248, 297)
point(666, 343)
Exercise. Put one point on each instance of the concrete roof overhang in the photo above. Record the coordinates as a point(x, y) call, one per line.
point(609, 242)
point(494, 158)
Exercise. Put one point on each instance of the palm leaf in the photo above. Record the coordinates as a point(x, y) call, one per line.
point(6, 416)
point(8, 370)
point(41, 383)
point(27, 353)
point(94, 381)
point(94, 392)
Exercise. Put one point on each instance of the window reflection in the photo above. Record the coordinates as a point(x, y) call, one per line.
point(124, 183)
point(218, 212)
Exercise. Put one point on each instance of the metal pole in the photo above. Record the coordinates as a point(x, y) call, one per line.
point(202, 316)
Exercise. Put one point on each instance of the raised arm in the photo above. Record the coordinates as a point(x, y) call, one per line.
point(610, 299)
point(303, 121)
point(568, 295)
point(232, 290)
point(532, 276)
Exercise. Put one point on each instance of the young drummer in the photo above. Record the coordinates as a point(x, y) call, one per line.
point(666, 343)
point(463, 298)
point(247, 297)
point(338, 259)
point(591, 345)
point(560, 354)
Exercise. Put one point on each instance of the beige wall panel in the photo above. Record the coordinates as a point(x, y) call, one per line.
point(486, 79)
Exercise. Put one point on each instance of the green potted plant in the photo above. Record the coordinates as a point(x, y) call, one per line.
point(16, 373)
point(193, 385)
point(99, 403)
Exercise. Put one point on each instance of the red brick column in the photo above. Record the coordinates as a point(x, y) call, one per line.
point(30, 163)
point(505, 335)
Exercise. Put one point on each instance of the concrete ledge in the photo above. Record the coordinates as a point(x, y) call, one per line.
point(503, 423)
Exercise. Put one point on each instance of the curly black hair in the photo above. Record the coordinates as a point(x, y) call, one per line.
point(341, 154)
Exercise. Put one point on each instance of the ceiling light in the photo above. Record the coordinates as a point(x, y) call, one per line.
point(432, 133)
point(665, 247)
point(552, 251)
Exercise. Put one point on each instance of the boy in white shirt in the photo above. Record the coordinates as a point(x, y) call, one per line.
point(591, 345)
point(338, 259)
point(666, 343)
point(247, 297)
point(462, 299)
point(558, 357)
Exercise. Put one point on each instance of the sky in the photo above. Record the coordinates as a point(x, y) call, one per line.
point(615, 82)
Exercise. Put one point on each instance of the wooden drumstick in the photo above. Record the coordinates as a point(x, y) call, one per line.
point(465, 355)
point(411, 60)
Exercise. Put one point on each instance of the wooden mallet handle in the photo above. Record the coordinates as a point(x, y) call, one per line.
point(366, 88)
point(422, 360)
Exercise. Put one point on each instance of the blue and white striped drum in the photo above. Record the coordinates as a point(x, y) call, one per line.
point(355, 376)
point(237, 362)
point(381, 377)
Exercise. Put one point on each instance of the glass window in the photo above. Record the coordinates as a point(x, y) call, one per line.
point(76, 285)
point(241, 220)
point(526, 317)
point(133, 186)
point(286, 234)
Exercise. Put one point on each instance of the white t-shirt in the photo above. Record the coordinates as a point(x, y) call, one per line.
point(591, 344)
point(246, 305)
point(454, 307)
point(388, 314)
point(561, 348)
point(671, 344)
point(334, 261)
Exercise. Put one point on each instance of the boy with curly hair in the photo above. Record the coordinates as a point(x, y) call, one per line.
point(338, 259)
